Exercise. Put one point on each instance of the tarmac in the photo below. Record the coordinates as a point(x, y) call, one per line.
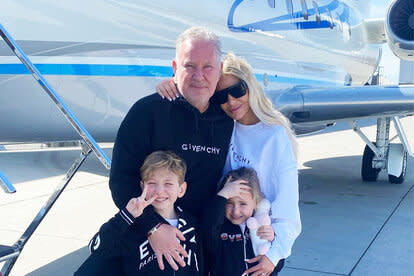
point(350, 227)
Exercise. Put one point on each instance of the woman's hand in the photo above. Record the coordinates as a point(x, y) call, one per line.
point(167, 89)
point(235, 188)
point(137, 205)
point(264, 267)
point(266, 232)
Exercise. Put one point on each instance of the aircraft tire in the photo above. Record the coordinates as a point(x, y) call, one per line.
point(368, 173)
point(400, 179)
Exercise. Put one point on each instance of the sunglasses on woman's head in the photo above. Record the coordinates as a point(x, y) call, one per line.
point(236, 91)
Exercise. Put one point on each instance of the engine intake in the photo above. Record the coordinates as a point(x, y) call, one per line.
point(400, 28)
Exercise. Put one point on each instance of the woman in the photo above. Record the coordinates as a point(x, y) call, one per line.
point(263, 140)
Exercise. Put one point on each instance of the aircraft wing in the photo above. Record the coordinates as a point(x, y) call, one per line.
point(325, 105)
point(312, 109)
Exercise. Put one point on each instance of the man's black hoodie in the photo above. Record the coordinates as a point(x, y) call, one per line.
point(153, 123)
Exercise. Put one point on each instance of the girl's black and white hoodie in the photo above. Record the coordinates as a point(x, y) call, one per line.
point(227, 246)
point(118, 238)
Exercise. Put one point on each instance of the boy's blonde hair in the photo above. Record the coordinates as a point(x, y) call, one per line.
point(250, 176)
point(164, 160)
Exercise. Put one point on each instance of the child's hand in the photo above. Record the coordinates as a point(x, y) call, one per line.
point(235, 188)
point(137, 205)
point(167, 89)
point(266, 232)
point(264, 266)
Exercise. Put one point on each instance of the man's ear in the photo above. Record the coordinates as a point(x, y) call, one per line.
point(182, 188)
point(142, 184)
point(221, 71)
point(174, 66)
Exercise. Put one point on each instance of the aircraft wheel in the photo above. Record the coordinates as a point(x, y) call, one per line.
point(400, 179)
point(368, 173)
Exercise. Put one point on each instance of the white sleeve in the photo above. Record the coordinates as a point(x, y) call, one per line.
point(285, 209)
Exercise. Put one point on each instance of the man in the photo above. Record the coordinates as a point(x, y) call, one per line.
point(192, 126)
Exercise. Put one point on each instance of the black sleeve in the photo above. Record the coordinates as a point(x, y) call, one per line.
point(200, 255)
point(197, 248)
point(98, 266)
point(211, 223)
point(106, 247)
point(132, 145)
point(108, 241)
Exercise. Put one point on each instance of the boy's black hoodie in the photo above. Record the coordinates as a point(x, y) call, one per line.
point(153, 123)
point(226, 245)
point(117, 238)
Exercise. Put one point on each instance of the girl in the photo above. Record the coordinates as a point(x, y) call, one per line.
point(224, 224)
point(263, 140)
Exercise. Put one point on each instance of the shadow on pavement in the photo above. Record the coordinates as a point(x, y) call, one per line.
point(66, 265)
point(37, 165)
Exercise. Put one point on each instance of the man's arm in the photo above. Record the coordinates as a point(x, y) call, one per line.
point(211, 223)
point(132, 145)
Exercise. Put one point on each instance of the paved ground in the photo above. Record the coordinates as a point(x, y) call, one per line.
point(349, 227)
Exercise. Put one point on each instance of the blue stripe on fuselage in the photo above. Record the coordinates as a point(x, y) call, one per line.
point(91, 70)
point(111, 70)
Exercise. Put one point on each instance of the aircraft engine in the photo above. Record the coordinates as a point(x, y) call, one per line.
point(399, 27)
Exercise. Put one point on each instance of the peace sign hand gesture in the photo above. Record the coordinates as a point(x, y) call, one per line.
point(137, 205)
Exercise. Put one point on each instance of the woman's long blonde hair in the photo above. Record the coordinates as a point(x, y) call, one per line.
point(260, 105)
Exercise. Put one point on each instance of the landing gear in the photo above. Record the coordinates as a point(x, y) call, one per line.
point(383, 155)
point(397, 164)
point(368, 173)
point(400, 179)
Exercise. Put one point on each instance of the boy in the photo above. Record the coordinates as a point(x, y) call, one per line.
point(162, 174)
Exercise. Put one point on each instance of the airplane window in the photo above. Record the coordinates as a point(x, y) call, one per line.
point(289, 6)
point(348, 79)
point(272, 3)
point(317, 13)
point(304, 9)
point(338, 19)
point(265, 79)
point(347, 31)
point(330, 18)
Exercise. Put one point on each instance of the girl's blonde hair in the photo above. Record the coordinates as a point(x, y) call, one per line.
point(260, 105)
point(250, 176)
point(163, 160)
